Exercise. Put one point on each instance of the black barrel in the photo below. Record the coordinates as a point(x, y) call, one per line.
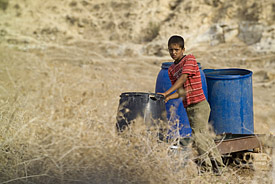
point(149, 106)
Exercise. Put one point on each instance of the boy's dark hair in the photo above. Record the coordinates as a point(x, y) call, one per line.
point(176, 40)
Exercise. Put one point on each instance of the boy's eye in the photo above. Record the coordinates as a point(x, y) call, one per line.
point(171, 50)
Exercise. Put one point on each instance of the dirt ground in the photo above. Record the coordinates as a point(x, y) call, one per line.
point(68, 83)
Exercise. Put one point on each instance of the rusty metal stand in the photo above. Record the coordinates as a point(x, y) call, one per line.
point(245, 150)
point(229, 143)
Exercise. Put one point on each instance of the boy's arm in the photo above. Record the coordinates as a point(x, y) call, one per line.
point(179, 93)
point(178, 84)
point(172, 96)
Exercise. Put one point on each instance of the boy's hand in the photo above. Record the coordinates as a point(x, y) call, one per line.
point(165, 97)
point(163, 94)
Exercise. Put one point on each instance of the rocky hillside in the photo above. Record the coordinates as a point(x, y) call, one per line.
point(137, 27)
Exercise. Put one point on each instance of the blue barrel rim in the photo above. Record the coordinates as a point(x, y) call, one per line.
point(207, 72)
point(166, 65)
point(199, 65)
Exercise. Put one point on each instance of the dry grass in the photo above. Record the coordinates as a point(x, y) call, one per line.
point(58, 103)
point(58, 126)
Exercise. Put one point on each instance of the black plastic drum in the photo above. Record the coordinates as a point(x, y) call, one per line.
point(149, 106)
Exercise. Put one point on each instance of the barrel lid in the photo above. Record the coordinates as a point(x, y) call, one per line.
point(227, 74)
point(166, 65)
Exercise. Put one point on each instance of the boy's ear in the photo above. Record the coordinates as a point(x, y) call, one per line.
point(183, 49)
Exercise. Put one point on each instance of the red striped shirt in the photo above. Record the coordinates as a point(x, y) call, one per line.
point(192, 86)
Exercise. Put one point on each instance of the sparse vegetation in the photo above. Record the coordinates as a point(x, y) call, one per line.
point(4, 4)
point(58, 126)
point(151, 32)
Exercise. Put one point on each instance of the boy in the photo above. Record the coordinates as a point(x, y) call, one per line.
point(185, 78)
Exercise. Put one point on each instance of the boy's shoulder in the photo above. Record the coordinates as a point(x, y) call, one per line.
point(190, 56)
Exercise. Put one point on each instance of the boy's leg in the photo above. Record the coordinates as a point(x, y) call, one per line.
point(198, 115)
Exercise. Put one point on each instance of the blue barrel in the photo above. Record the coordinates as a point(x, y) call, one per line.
point(163, 83)
point(230, 96)
point(203, 81)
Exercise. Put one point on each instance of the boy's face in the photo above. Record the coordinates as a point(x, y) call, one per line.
point(175, 51)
